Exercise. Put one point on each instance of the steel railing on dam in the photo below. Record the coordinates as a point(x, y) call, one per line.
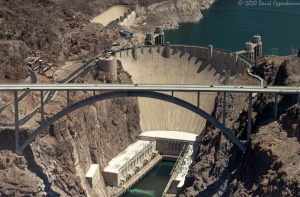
point(159, 92)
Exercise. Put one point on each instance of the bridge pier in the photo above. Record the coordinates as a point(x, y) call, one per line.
point(68, 98)
point(249, 124)
point(17, 123)
point(224, 109)
point(198, 99)
point(42, 107)
point(276, 106)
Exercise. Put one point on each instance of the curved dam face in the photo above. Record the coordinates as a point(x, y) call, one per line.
point(178, 65)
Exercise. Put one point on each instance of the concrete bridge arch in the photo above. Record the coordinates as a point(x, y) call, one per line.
point(131, 93)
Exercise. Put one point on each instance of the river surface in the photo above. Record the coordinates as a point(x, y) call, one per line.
point(228, 24)
point(153, 184)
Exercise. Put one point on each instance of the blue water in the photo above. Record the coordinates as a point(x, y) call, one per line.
point(229, 25)
point(153, 184)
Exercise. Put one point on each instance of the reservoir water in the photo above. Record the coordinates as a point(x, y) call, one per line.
point(153, 184)
point(229, 24)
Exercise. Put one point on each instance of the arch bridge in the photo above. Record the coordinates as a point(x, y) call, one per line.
point(159, 92)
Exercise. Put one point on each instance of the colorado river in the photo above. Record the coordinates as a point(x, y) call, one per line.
point(229, 24)
point(153, 184)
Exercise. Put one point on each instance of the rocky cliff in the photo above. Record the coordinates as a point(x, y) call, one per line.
point(170, 13)
point(57, 30)
point(269, 167)
point(58, 160)
point(60, 31)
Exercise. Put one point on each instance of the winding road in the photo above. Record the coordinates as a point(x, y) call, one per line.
point(74, 75)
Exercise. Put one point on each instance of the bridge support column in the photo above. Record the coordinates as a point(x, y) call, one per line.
point(198, 99)
point(276, 106)
point(68, 98)
point(249, 124)
point(224, 109)
point(17, 126)
point(42, 107)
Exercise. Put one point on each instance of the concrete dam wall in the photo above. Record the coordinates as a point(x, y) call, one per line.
point(178, 65)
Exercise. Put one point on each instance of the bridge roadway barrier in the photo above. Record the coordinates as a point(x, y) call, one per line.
point(181, 74)
point(152, 92)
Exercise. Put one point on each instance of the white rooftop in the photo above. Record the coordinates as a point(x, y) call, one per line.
point(185, 165)
point(92, 170)
point(122, 158)
point(172, 135)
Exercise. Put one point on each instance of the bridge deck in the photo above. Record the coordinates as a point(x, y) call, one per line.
point(148, 87)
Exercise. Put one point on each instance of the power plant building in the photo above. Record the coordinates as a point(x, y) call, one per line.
point(129, 162)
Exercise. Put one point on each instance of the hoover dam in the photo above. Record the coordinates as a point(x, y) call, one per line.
point(174, 64)
point(95, 103)
point(177, 87)
point(170, 130)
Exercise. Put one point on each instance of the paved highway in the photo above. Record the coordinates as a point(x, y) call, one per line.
point(33, 79)
point(80, 71)
point(148, 87)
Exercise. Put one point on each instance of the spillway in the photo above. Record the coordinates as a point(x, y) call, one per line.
point(176, 64)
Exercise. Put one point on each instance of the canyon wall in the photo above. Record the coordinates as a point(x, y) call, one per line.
point(57, 161)
point(269, 166)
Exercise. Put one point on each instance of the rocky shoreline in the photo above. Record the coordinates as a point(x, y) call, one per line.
point(169, 14)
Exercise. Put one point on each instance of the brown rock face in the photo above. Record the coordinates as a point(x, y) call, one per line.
point(270, 166)
point(93, 134)
point(290, 121)
point(277, 174)
point(59, 158)
point(58, 30)
point(16, 176)
point(12, 54)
